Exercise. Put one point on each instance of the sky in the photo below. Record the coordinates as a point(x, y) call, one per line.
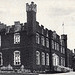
point(50, 13)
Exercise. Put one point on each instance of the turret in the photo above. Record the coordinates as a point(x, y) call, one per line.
point(64, 43)
point(31, 18)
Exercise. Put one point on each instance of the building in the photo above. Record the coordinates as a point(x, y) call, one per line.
point(32, 46)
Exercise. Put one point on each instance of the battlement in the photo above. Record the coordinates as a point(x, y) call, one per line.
point(31, 7)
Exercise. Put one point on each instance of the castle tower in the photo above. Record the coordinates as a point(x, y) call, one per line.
point(31, 17)
point(64, 43)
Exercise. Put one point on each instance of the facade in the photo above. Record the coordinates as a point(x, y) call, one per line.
point(32, 46)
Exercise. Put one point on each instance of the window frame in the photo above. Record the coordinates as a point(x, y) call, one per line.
point(17, 58)
point(17, 38)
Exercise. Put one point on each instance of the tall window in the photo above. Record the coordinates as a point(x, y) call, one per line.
point(1, 60)
point(62, 61)
point(52, 44)
point(0, 40)
point(37, 38)
point(47, 33)
point(55, 46)
point(17, 60)
point(61, 49)
point(16, 38)
point(43, 58)
point(47, 59)
point(47, 42)
point(42, 31)
point(42, 40)
point(37, 58)
point(55, 60)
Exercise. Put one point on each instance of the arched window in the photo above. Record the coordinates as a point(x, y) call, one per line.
point(43, 58)
point(17, 60)
point(55, 59)
point(47, 59)
point(37, 58)
point(1, 60)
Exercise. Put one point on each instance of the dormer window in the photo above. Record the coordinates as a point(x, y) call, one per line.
point(16, 38)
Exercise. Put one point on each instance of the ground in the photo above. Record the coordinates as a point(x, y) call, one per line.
point(69, 73)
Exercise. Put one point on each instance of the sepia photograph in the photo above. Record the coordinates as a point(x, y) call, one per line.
point(36, 37)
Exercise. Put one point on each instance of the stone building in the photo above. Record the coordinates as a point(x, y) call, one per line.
point(33, 46)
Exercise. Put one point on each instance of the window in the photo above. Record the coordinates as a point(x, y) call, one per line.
point(55, 46)
point(47, 59)
point(42, 40)
point(16, 38)
point(17, 60)
point(47, 42)
point(63, 50)
point(62, 61)
point(37, 58)
point(47, 34)
point(52, 44)
point(0, 40)
point(55, 59)
point(62, 42)
point(37, 38)
point(42, 31)
point(43, 58)
point(1, 60)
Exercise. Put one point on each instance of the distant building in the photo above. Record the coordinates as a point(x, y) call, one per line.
point(31, 45)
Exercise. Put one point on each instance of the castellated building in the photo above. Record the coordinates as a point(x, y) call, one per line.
point(33, 47)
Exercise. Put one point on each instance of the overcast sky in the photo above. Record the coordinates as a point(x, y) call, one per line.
point(50, 13)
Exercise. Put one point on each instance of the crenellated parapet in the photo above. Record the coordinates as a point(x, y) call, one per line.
point(31, 7)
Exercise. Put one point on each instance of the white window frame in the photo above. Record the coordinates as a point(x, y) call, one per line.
point(37, 58)
point(47, 59)
point(16, 38)
point(17, 59)
point(43, 58)
point(55, 59)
